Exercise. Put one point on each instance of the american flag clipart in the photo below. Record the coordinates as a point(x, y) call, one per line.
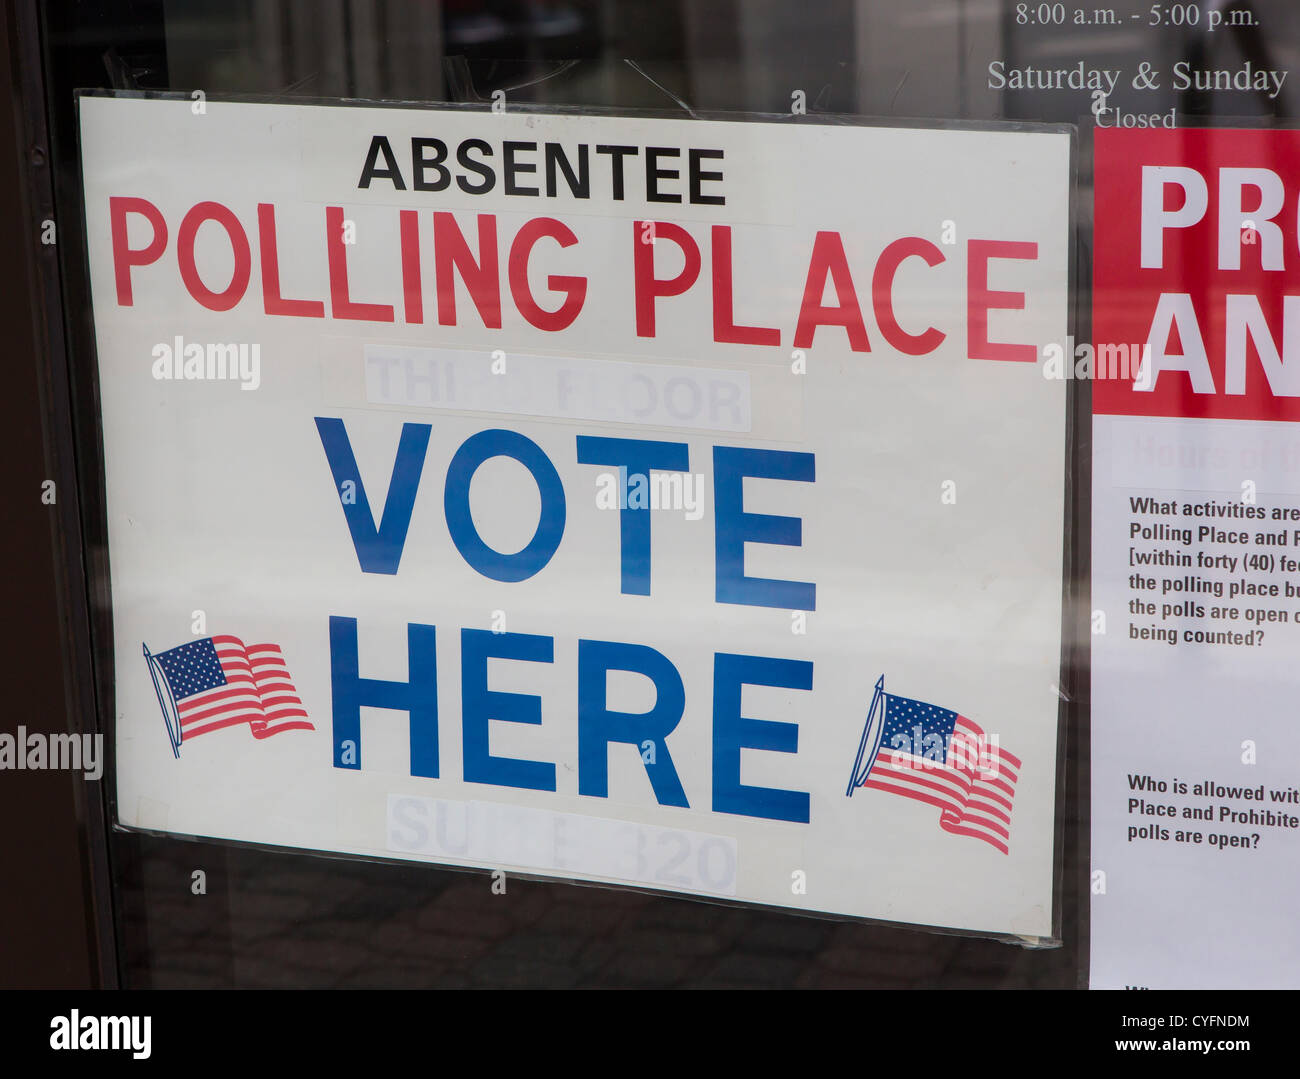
point(217, 682)
point(936, 756)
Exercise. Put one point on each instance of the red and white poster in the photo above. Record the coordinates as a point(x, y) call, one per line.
point(1196, 559)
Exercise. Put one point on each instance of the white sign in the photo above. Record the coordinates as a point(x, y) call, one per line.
point(659, 502)
point(1196, 563)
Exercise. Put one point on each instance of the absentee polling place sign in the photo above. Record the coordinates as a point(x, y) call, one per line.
point(674, 504)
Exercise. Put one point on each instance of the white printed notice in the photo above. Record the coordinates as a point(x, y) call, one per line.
point(663, 503)
point(1196, 561)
